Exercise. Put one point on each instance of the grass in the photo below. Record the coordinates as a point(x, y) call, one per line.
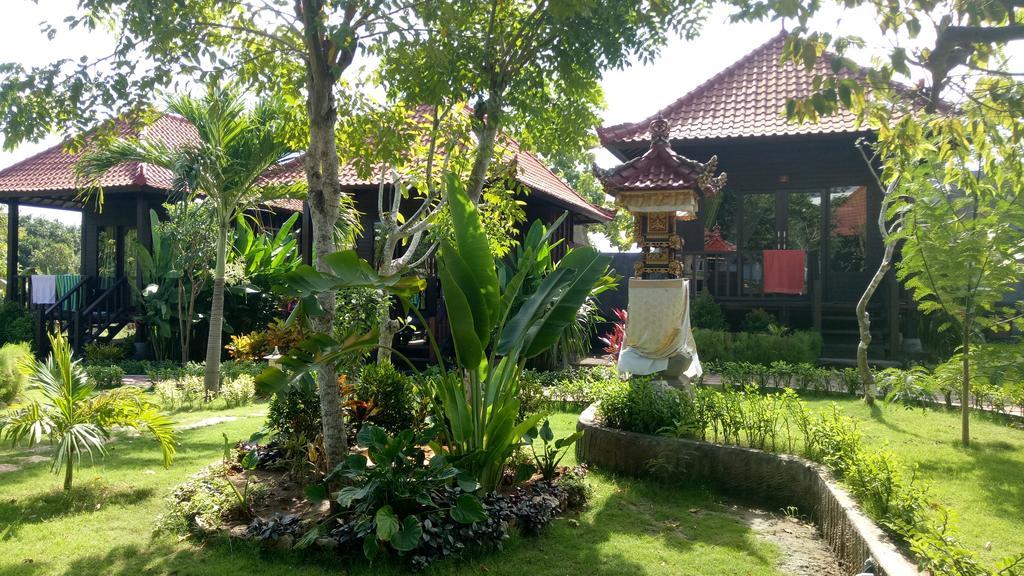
point(105, 526)
point(982, 484)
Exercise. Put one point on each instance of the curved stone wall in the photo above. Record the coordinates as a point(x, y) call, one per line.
point(778, 480)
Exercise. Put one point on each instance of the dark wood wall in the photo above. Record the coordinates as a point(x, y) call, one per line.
point(794, 164)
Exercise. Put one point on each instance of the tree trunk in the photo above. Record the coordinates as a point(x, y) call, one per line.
point(965, 387)
point(322, 164)
point(69, 473)
point(864, 324)
point(863, 318)
point(486, 135)
point(215, 338)
point(388, 328)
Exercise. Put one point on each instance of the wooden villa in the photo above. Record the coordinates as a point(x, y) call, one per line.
point(794, 230)
point(96, 303)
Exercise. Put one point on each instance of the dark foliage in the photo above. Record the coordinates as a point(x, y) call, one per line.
point(391, 394)
point(295, 412)
point(706, 313)
point(16, 324)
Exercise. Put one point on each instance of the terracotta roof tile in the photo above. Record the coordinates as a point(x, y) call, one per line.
point(746, 99)
point(52, 170)
point(530, 172)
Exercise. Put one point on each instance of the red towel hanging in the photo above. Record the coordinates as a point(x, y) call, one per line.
point(784, 271)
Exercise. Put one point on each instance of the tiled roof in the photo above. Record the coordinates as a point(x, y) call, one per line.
point(530, 172)
point(535, 175)
point(714, 242)
point(661, 168)
point(52, 170)
point(746, 99)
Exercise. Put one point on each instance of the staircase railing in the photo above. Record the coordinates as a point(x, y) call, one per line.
point(62, 313)
point(85, 318)
point(111, 309)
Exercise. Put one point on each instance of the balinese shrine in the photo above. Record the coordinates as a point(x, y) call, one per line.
point(660, 189)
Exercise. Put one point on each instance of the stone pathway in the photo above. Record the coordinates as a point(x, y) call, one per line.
point(803, 552)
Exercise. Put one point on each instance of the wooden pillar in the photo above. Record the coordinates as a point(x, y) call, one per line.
point(90, 244)
point(119, 255)
point(12, 250)
point(306, 235)
point(143, 232)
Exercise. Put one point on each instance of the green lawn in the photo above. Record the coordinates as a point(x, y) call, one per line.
point(983, 484)
point(632, 527)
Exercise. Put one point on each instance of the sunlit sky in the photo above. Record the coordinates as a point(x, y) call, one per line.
point(631, 94)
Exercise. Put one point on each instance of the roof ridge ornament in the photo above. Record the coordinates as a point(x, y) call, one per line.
point(659, 129)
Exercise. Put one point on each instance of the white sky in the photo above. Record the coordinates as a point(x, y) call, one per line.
point(631, 94)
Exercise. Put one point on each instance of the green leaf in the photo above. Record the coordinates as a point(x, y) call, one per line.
point(467, 483)
point(568, 440)
point(545, 432)
point(316, 492)
point(468, 509)
point(371, 548)
point(472, 244)
point(387, 523)
point(524, 472)
point(408, 537)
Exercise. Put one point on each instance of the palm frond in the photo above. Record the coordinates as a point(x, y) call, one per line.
point(29, 422)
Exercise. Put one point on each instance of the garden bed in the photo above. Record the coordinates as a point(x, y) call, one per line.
point(781, 480)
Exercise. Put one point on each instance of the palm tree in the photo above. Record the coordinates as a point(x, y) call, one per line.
point(74, 418)
point(223, 166)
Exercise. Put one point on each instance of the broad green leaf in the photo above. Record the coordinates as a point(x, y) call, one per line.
point(387, 523)
point(408, 537)
point(468, 509)
point(472, 245)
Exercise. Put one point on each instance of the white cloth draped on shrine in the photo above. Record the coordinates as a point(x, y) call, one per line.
point(658, 327)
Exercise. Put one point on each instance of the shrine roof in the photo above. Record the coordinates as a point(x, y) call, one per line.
point(661, 168)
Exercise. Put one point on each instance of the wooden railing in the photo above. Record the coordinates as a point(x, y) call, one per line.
point(111, 310)
point(738, 275)
point(85, 315)
point(61, 314)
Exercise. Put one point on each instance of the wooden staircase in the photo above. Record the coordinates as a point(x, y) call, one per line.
point(841, 334)
point(88, 312)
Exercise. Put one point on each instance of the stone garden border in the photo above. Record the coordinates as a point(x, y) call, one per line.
point(775, 479)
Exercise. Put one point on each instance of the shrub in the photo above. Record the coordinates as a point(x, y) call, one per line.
point(13, 356)
point(387, 504)
point(295, 412)
point(531, 394)
point(16, 324)
point(639, 405)
point(105, 376)
point(390, 392)
point(203, 502)
point(234, 368)
point(182, 393)
point(250, 346)
point(158, 371)
point(575, 387)
point(758, 348)
point(578, 491)
point(758, 320)
point(103, 353)
point(706, 313)
point(238, 391)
